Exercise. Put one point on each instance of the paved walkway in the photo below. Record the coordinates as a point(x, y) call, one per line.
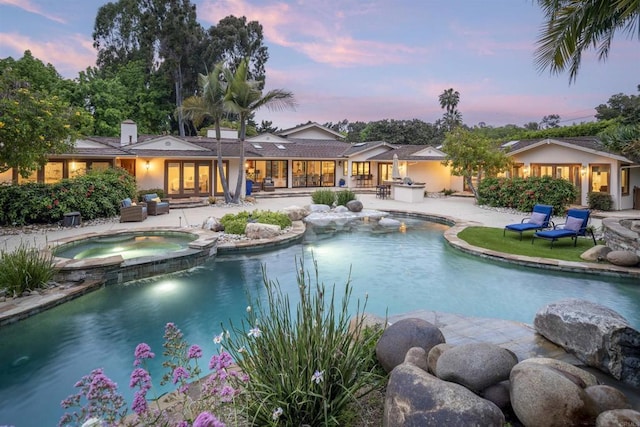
point(458, 208)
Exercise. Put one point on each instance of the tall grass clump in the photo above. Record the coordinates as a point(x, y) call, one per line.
point(344, 196)
point(25, 269)
point(323, 197)
point(305, 364)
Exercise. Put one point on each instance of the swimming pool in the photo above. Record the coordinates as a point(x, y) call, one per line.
point(43, 356)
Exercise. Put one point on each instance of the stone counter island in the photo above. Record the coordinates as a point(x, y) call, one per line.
point(410, 193)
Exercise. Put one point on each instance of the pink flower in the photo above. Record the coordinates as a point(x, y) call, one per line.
point(206, 419)
point(180, 374)
point(195, 352)
point(143, 351)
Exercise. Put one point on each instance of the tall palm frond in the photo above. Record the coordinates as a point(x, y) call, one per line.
point(573, 26)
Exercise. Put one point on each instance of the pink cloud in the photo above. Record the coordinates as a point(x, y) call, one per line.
point(28, 6)
point(324, 41)
point(68, 55)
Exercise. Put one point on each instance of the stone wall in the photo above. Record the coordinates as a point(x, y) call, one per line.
point(622, 234)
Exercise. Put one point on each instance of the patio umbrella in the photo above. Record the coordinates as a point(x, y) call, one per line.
point(395, 170)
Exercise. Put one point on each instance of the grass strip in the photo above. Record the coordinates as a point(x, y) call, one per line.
point(493, 239)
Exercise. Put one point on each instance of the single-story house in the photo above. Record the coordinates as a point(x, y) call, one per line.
point(314, 156)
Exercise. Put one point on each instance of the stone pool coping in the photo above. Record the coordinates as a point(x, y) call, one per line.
point(14, 309)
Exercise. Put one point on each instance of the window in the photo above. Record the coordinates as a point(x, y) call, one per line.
point(624, 180)
point(599, 178)
point(53, 172)
point(360, 168)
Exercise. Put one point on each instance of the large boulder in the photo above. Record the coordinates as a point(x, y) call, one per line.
point(398, 338)
point(295, 213)
point(475, 365)
point(597, 335)
point(212, 223)
point(319, 208)
point(255, 230)
point(623, 258)
point(596, 253)
point(434, 354)
point(607, 397)
point(414, 398)
point(619, 418)
point(498, 394)
point(546, 396)
point(354, 205)
point(579, 376)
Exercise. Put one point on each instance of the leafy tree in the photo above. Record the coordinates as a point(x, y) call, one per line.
point(471, 155)
point(233, 39)
point(573, 26)
point(623, 139)
point(550, 121)
point(626, 108)
point(354, 131)
point(33, 124)
point(532, 126)
point(243, 97)
point(266, 126)
point(402, 132)
point(210, 105)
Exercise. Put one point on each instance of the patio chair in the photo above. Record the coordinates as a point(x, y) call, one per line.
point(132, 213)
point(575, 225)
point(268, 184)
point(539, 220)
point(155, 205)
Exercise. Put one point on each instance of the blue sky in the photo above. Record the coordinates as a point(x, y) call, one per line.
point(370, 60)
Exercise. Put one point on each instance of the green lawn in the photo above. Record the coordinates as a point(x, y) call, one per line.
point(492, 238)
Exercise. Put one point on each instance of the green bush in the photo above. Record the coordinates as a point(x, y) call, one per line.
point(95, 195)
point(344, 196)
point(25, 269)
point(600, 201)
point(524, 193)
point(237, 223)
point(323, 197)
point(303, 364)
point(158, 191)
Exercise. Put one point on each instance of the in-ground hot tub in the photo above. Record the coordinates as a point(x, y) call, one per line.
point(123, 255)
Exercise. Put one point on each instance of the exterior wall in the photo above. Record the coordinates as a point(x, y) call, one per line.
point(626, 202)
point(6, 177)
point(312, 133)
point(555, 154)
point(434, 174)
point(151, 177)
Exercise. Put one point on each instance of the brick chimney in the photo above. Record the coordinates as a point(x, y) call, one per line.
point(128, 133)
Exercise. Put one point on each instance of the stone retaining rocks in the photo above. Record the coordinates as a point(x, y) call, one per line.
point(546, 396)
point(398, 338)
point(618, 418)
point(597, 335)
point(354, 205)
point(596, 253)
point(255, 230)
point(623, 258)
point(476, 365)
point(416, 398)
point(296, 213)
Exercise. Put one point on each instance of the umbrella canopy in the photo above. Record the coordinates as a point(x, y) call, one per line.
point(395, 169)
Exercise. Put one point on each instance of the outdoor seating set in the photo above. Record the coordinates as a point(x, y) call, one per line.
point(136, 212)
point(383, 191)
point(576, 225)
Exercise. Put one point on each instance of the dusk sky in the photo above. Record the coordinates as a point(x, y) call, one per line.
point(371, 60)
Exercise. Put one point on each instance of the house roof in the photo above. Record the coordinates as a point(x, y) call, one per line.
point(411, 153)
point(291, 132)
point(589, 144)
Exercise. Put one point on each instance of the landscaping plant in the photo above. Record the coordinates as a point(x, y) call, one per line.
point(600, 201)
point(344, 196)
point(523, 193)
point(323, 197)
point(25, 269)
point(305, 364)
point(194, 403)
point(237, 223)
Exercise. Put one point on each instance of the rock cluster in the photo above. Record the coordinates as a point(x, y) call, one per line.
point(435, 383)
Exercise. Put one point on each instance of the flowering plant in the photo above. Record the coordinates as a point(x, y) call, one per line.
point(191, 404)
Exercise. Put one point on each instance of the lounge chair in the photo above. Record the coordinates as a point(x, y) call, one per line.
point(539, 220)
point(155, 205)
point(575, 225)
point(132, 213)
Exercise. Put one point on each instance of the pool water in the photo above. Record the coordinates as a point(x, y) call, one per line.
point(128, 245)
point(43, 356)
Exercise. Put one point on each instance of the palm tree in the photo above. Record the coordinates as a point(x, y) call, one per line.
point(210, 104)
point(449, 100)
point(243, 97)
point(573, 26)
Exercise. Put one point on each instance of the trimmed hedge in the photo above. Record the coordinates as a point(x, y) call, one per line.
point(600, 201)
point(523, 193)
point(97, 194)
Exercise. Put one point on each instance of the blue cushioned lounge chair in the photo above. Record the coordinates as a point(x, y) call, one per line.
point(539, 220)
point(575, 225)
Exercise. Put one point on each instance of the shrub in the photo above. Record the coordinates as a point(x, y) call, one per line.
point(600, 201)
point(524, 193)
point(323, 197)
point(158, 191)
point(344, 196)
point(97, 194)
point(25, 269)
point(303, 366)
point(237, 223)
